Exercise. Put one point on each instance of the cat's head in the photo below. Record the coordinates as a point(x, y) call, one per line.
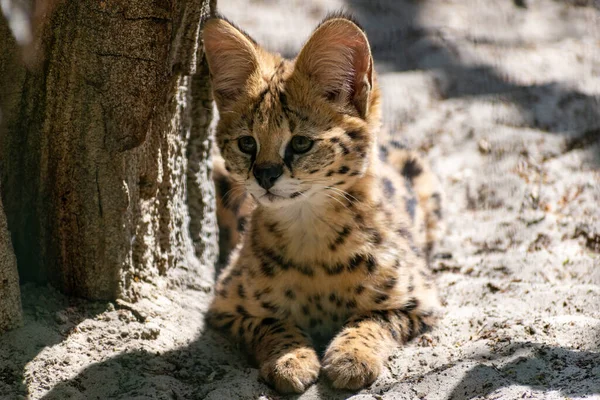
point(294, 130)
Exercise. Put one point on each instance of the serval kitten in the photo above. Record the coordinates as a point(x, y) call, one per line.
point(336, 229)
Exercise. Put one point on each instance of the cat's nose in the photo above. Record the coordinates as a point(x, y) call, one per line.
point(267, 174)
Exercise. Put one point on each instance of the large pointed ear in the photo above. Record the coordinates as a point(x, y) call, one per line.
point(232, 59)
point(337, 59)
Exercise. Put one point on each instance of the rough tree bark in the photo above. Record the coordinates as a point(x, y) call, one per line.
point(10, 299)
point(104, 147)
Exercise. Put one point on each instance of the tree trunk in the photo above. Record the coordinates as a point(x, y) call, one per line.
point(104, 147)
point(10, 299)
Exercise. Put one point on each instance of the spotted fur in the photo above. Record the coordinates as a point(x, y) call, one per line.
point(334, 253)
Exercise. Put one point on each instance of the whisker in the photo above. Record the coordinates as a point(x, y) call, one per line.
point(338, 200)
point(343, 192)
point(232, 195)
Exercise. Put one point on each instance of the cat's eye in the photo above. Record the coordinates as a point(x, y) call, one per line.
point(301, 144)
point(247, 144)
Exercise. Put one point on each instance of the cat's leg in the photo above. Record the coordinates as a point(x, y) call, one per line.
point(234, 208)
point(357, 354)
point(284, 353)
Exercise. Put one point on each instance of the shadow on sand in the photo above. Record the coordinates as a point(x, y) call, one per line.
point(195, 372)
point(401, 43)
point(48, 319)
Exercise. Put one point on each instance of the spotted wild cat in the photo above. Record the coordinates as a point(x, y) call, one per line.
point(337, 229)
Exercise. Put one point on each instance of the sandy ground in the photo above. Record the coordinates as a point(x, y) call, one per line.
point(503, 98)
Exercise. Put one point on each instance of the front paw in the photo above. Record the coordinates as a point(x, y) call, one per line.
point(292, 372)
point(349, 367)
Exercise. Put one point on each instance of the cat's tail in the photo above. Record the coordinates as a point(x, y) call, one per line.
point(427, 187)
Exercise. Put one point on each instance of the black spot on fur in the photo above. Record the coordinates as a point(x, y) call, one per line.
point(241, 291)
point(345, 150)
point(289, 293)
point(411, 207)
point(390, 283)
point(380, 298)
point(355, 262)
point(279, 261)
point(359, 289)
point(351, 304)
point(268, 321)
point(411, 304)
point(374, 236)
point(383, 153)
point(405, 233)
point(359, 220)
point(437, 198)
point(411, 169)
point(329, 173)
point(354, 135)
point(398, 145)
point(334, 269)
point(223, 186)
point(291, 123)
point(259, 293)
point(269, 306)
point(272, 227)
point(295, 194)
point(241, 224)
point(227, 326)
point(226, 280)
point(371, 263)
point(343, 169)
point(305, 309)
point(267, 269)
point(388, 187)
point(288, 156)
point(360, 150)
point(224, 244)
point(219, 316)
point(341, 237)
point(242, 311)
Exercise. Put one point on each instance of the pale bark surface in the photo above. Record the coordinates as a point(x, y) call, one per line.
point(103, 170)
